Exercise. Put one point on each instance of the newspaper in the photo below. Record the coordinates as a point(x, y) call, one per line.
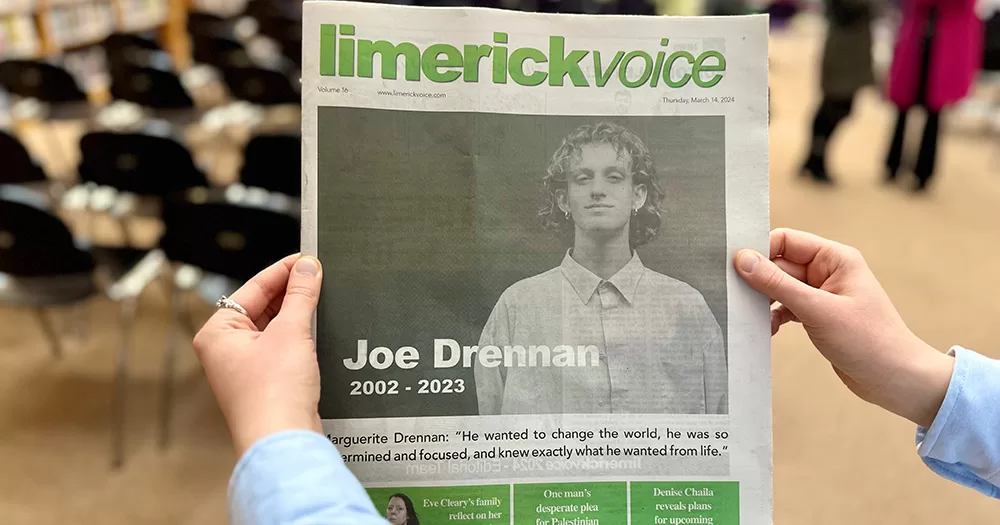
point(527, 221)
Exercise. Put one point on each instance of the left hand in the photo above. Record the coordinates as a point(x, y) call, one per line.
point(263, 368)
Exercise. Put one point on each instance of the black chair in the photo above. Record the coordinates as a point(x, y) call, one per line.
point(150, 86)
point(46, 83)
point(156, 88)
point(53, 88)
point(220, 52)
point(287, 32)
point(282, 23)
point(217, 244)
point(41, 266)
point(261, 87)
point(203, 23)
point(35, 243)
point(139, 163)
point(126, 48)
point(18, 165)
point(140, 169)
point(265, 9)
point(20, 168)
point(274, 163)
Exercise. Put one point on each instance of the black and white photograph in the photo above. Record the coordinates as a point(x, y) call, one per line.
point(501, 264)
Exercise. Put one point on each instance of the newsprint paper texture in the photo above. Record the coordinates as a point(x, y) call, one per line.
point(529, 312)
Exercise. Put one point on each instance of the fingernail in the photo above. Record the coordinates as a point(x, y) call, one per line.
point(748, 261)
point(307, 266)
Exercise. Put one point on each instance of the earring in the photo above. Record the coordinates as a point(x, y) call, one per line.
point(635, 211)
point(567, 215)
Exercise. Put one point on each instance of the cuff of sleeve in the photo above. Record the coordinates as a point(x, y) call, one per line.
point(957, 444)
point(290, 473)
point(928, 438)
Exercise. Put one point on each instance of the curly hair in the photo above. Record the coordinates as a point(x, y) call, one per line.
point(645, 224)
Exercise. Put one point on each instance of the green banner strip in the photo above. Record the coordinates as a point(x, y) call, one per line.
point(685, 503)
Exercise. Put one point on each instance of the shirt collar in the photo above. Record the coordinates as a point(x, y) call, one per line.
point(585, 282)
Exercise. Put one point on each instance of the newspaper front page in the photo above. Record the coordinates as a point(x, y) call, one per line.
point(527, 221)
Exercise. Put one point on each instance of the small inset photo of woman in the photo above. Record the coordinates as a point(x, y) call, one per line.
point(399, 510)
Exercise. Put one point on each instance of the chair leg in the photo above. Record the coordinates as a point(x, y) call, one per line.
point(173, 338)
point(189, 325)
point(77, 322)
point(126, 322)
point(63, 155)
point(82, 321)
point(50, 332)
point(126, 233)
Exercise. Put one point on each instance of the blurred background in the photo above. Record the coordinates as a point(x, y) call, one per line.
point(150, 161)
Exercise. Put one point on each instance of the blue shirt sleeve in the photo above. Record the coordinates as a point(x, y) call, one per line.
point(297, 478)
point(963, 442)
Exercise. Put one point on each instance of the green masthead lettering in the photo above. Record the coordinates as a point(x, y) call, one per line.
point(516, 67)
point(328, 50)
point(389, 56)
point(342, 54)
point(563, 64)
point(604, 75)
point(432, 62)
point(500, 59)
point(668, 67)
point(646, 70)
point(473, 54)
point(346, 51)
point(700, 66)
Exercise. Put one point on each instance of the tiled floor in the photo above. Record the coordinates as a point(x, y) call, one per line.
point(837, 460)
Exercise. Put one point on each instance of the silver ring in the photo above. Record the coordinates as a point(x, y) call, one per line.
point(226, 302)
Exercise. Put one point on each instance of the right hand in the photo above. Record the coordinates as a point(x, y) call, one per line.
point(828, 287)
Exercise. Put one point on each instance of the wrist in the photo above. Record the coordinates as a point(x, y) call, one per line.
point(921, 384)
point(247, 435)
point(936, 378)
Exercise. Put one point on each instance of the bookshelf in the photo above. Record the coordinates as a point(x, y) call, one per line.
point(68, 31)
point(54, 28)
point(19, 36)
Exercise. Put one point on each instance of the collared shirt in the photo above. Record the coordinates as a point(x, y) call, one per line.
point(297, 477)
point(963, 442)
point(660, 349)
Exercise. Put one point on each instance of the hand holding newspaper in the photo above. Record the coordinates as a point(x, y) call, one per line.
point(529, 315)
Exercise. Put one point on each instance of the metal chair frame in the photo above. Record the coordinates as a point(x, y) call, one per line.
point(188, 279)
point(40, 292)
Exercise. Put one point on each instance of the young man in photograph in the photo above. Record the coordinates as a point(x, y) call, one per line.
point(637, 341)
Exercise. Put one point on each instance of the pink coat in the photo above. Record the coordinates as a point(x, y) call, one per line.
point(956, 53)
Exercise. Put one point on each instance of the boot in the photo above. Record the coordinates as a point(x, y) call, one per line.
point(815, 168)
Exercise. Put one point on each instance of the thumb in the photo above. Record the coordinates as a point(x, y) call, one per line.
point(301, 297)
point(767, 278)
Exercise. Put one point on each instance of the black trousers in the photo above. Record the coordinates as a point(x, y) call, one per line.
point(926, 158)
point(831, 112)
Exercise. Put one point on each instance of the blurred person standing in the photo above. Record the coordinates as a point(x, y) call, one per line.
point(938, 53)
point(726, 7)
point(845, 69)
point(781, 13)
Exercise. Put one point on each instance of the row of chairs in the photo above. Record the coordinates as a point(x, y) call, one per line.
point(213, 237)
point(145, 79)
point(142, 74)
point(148, 164)
point(210, 243)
